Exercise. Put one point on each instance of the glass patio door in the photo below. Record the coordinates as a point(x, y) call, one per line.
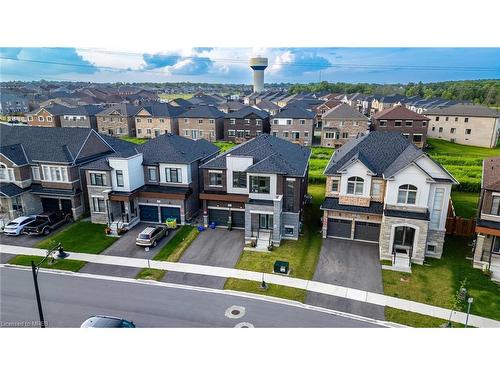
point(265, 221)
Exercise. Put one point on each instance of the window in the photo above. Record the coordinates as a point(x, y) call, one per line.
point(407, 194)
point(35, 171)
point(406, 135)
point(440, 130)
point(98, 204)
point(232, 121)
point(239, 179)
point(275, 122)
point(258, 121)
point(335, 185)
point(152, 174)
point(289, 122)
point(302, 122)
point(345, 135)
point(260, 184)
point(437, 118)
point(383, 123)
point(289, 194)
point(495, 247)
point(424, 123)
point(437, 207)
point(417, 138)
point(186, 120)
point(466, 119)
point(306, 134)
point(162, 120)
point(49, 118)
point(150, 120)
point(431, 249)
point(137, 120)
point(288, 231)
point(433, 128)
point(231, 133)
point(215, 178)
point(456, 119)
point(55, 174)
point(495, 205)
point(6, 174)
point(200, 121)
point(148, 130)
point(452, 130)
point(285, 134)
point(275, 134)
point(247, 121)
point(355, 185)
point(408, 123)
point(447, 118)
point(139, 131)
point(468, 131)
point(376, 189)
point(41, 118)
point(30, 118)
point(398, 123)
point(186, 132)
point(329, 135)
point(247, 133)
point(211, 121)
point(173, 175)
point(98, 179)
point(119, 178)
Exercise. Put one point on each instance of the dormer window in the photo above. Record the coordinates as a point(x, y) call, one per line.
point(407, 194)
point(355, 185)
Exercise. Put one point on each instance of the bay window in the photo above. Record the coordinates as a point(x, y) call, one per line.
point(55, 174)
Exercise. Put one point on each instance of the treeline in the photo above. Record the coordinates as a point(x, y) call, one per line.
point(483, 91)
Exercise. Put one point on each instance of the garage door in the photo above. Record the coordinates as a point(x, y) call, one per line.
point(220, 217)
point(148, 213)
point(339, 228)
point(366, 231)
point(238, 219)
point(168, 212)
point(50, 204)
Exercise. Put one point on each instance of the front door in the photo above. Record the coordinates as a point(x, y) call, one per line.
point(265, 221)
point(403, 240)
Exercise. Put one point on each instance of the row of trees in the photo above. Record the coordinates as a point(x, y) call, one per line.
point(485, 92)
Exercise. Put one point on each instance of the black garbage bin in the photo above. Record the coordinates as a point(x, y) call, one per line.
point(280, 266)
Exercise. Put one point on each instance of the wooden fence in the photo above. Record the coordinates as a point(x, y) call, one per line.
point(459, 226)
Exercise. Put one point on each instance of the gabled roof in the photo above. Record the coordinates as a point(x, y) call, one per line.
point(83, 110)
point(231, 105)
point(291, 111)
point(399, 112)
point(344, 112)
point(182, 102)
point(471, 110)
point(247, 111)
point(54, 110)
point(10, 190)
point(270, 155)
point(267, 105)
point(123, 109)
point(15, 153)
point(162, 110)
point(203, 111)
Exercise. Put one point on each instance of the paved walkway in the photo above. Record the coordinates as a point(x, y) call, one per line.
point(309, 285)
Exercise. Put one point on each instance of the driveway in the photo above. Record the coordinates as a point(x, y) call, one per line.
point(213, 247)
point(351, 264)
point(25, 240)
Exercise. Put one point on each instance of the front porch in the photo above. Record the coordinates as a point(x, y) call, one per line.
point(263, 223)
point(487, 250)
point(122, 213)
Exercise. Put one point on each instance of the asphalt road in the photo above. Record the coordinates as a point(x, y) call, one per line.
point(68, 300)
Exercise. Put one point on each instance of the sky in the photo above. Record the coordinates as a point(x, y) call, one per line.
point(230, 65)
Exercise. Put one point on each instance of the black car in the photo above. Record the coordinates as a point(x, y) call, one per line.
point(46, 222)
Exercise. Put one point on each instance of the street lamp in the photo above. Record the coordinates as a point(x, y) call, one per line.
point(34, 269)
point(469, 301)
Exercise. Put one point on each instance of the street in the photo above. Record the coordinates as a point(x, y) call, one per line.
point(68, 300)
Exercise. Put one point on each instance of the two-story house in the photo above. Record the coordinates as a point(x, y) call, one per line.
point(156, 119)
point(118, 120)
point(12, 103)
point(202, 122)
point(150, 182)
point(381, 188)
point(260, 186)
point(294, 124)
point(40, 168)
point(487, 246)
point(81, 117)
point(402, 120)
point(47, 116)
point(467, 124)
point(245, 123)
point(341, 124)
point(324, 107)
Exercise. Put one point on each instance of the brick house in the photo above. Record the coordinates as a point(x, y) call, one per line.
point(381, 188)
point(294, 124)
point(402, 120)
point(202, 122)
point(245, 123)
point(156, 119)
point(47, 116)
point(342, 123)
point(118, 120)
point(80, 117)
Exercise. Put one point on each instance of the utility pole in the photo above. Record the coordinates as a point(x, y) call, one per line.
point(37, 293)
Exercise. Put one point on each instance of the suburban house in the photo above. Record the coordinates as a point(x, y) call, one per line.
point(268, 106)
point(118, 120)
point(202, 122)
point(12, 103)
point(80, 117)
point(156, 119)
point(246, 123)
point(40, 168)
point(380, 103)
point(341, 124)
point(294, 124)
point(259, 187)
point(150, 182)
point(467, 124)
point(402, 120)
point(381, 188)
point(47, 116)
point(487, 245)
point(230, 106)
point(324, 107)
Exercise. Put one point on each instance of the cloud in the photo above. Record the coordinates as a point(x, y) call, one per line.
point(191, 66)
point(159, 61)
point(295, 62)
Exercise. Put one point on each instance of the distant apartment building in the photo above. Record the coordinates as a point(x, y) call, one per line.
point(202, 122)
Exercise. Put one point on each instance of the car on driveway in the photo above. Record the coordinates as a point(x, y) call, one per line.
point(16, 226)
point(150, 236)
point(101, 321)
point(47, 222)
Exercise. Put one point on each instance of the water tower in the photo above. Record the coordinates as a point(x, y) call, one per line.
point(258, 65)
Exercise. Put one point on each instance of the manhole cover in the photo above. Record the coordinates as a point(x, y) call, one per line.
point(244, 325)
point(235, 312)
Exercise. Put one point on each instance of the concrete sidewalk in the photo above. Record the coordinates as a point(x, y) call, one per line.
point(313, 286)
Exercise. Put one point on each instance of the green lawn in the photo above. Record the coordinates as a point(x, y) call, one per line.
point(62, 264)
point(437, 282)
point(442, 147)
point(302, 254)
point(175, 96)
point(138, 141)
point(412, 319)
point(81, 237)
point(151, 274)
point(174, 248)
point(317, 163)
point(224, 145)
point(273, 290)
point(465, 203)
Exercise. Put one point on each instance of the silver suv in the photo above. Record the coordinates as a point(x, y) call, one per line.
point(150, 236)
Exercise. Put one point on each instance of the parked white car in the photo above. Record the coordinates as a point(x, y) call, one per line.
point(15, 227)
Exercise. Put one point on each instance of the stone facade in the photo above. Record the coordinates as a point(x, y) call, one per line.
point(299, 131)
point(202, 128)
point(116, 125)
point(354, 200)
point(151, 127)
point(435, 238)
point(335, 133)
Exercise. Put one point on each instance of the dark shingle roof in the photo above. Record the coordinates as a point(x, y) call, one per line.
point(246, 111)
point(231, 106)
point(14, 153)
point(83, 110)
point(407, 214)
point(122, 108)
point(291, 111)
point(203, 111)
point(54, 110)
point(344, 111)
point(163, 110)
point(331, 203)
point(399, 113)
point(267, 105)
point(171, 148)
point(385, 152)
point(270, 155)
point(11, 190)
point(182, 102)
point(464, 110)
